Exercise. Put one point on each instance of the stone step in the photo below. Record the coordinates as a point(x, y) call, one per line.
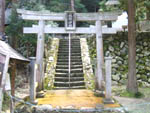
point(65, 46)
point(66, 75)
point(66, 63)
point(72, 48)
point(66, 67)
point(76, 79)
point(65, 88)
point(72, 41)
point(67, 49)
point(67, 60)
point(72, 70)
point(66, 57)
point(66, 79)
point(66, 41)
point(67, 84)
point(66, 54)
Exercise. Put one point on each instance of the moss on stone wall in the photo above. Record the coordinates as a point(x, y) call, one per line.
point(117, 47)
point(51, 59)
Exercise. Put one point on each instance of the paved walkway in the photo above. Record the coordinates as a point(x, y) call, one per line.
point(76, 99)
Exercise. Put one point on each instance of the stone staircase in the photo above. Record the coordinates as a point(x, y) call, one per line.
point(76, 79)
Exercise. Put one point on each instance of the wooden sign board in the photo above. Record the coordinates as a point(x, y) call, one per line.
point(70, 20)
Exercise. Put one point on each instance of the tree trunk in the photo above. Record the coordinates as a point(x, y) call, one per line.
point(132, 81)
point(14, 1)
point(2, 16)
point(72, 5)
point(13, 76)
point(148, 14)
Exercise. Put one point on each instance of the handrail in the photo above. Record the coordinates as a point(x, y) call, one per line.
point(69, 64)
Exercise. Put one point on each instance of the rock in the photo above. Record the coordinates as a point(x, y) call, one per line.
point(145, 44)
point(40, 94)
point(122, 44)
point(110, 39)
point(149, 80)
point(137, 58)
point(43, 108)
point(140, 83)
point(111, 48)
point(146, 53)
point(119, 62)
point(145, 84)
point(99, 106)
point(51, 59)
point(123, 51)
point(58, 107)
point(147, 63)
point(144, 77)
point(107, 53)
point(138, 76)
point(123, 81)
point(138, 50)
point(141, 55)
point(124, 76)
point(68, 107)
point(118, 53)
point(115, 65)
point(116, 77)
point(86, 108)
point(125, 62)
point(22, 108)
point(114, 60)
point(114, 83)
point(148, 74)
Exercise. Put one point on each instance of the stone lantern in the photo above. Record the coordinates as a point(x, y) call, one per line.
point(112, 4)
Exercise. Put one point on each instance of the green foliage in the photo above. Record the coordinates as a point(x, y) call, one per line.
point(121, 91)
point(142, 8)
point(6, 102)
point(132, 95)
point(102, 5)
point(64, 5)
point(91, 5)
point(26, 43)
point(123, 5)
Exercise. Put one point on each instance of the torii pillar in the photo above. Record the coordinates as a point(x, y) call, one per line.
point(100, 55)
point(39, 55)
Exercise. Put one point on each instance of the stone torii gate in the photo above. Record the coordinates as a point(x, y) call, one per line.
point(70, 18)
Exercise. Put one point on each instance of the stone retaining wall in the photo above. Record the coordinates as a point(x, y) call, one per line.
point(51, 60)
point(117, 47)
point(87, 67)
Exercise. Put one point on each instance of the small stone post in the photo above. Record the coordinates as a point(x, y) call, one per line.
point(108, 99)
point(33, 79)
